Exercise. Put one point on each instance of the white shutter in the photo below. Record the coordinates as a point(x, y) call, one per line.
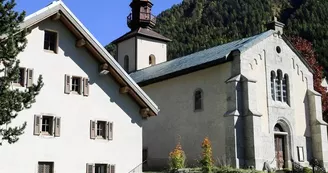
point(37, 124)
point(112, 168)
point(111, 129)
point(92, 129)
point(57, 126)
point(90, 168)
point(30, 73)
point(67, 84)
point(86, 87)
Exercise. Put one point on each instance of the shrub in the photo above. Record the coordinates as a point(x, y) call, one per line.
point(177, 158)
point(234, 170)
point(307, 170)
point(207, 160)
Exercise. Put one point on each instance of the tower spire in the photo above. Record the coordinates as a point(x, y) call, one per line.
point(141, 15)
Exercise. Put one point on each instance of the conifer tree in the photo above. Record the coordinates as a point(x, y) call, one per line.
point(12, 100)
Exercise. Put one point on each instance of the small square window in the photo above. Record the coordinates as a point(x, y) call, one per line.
point(50, 41)
point(45, 167)
point(76, 84)
point(101, 129)
point(21, 78)
point(100, 168)
point(47, 125)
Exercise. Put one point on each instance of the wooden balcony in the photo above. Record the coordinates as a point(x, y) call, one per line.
point(144, 19)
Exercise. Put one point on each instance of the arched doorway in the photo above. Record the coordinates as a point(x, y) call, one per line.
point(282, 145)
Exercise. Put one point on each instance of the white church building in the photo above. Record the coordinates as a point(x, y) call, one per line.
point(88, 116)
point(254, 98)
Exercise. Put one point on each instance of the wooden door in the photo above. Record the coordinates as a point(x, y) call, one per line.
point(279, 151)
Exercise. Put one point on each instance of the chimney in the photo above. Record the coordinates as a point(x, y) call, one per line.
point(276, 25)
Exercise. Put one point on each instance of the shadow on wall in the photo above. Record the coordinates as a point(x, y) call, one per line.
point(89, 65)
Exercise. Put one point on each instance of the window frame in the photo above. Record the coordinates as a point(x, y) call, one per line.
point(51, 124)
point(279, 84)
point(79, 78)
point(103, 129)
point(56, 42)
point(196, 109)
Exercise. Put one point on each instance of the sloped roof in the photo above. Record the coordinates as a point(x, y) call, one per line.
point(59, 7)
point(195, 61)
point(142, 32)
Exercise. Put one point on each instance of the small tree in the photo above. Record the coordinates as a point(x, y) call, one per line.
point(306, 49)
point(177, 158)
point(207, 162)
point(12, 101)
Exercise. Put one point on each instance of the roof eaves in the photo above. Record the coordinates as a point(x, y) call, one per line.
point(184, 71)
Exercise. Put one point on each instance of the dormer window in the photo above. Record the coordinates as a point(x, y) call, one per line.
point(152, 59)
point(50, 41)
point(279, 86)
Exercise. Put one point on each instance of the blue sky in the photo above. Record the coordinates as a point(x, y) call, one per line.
point(105, 19)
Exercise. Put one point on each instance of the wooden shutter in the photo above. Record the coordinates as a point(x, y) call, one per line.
point(86, 87)
point(81, 85)
point(57, 126)
point(37, 124)
point(92, 129)
point(112, 168)
point(67, 84)
point(90, 168)
point(30, 73)
point(111, 126)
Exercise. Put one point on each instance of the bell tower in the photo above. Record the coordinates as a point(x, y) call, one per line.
point(141, 15)
point(141, 47)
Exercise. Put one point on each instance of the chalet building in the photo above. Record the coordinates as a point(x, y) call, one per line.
point(254, 98)
point(89, 114)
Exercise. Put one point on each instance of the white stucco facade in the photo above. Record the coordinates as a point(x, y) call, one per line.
point(73, 149)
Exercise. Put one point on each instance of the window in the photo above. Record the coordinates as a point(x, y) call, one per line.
point(47, 125)
point(273, 77)
point(152, 59)
point(45, 167)
point(198, 100)
point(126, 63)
point(21, 78)
point(77, 85)
point(50, 41)
point(101, 130)
point(100, 168)
point(279, 87)
point(285, 89)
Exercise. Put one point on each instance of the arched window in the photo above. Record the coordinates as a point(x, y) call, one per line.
point(278, 128)
point(198, 100)
point(285, 88)
point(152, 59)
point(126, 63)
point(273, 77)
point(278, 85)
point(293, 62)
point(298, 69)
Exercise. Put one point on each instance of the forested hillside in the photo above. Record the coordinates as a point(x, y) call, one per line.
point(195, 25)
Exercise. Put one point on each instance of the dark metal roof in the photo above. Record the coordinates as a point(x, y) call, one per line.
point(195, 61)
point(142, 32)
